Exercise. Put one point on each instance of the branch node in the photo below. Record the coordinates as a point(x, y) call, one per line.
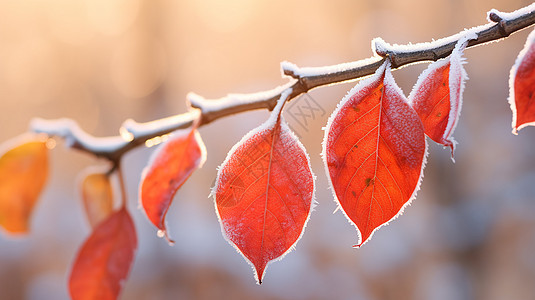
point(380, 47)
point(290, 69)
point(500, 19)
point(386, 51)
point(436, 56)
point(129, 129)
point(501, 28)
point(494, 16)
point(195, 100)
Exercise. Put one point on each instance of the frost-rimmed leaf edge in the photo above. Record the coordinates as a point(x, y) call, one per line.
point(267, 125)
point(385, 67)
point(512, 74)
point(150, 162)
point(456, 61)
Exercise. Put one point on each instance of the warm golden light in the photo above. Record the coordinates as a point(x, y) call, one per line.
point(112, 17)
point(225, 16)
point(153, 142)
point(100, 62)
point(125, 134)
point(51, 143)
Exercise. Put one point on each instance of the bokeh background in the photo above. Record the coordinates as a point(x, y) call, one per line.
point(470, 233)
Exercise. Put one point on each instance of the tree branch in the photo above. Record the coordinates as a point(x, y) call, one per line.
point(133, 134)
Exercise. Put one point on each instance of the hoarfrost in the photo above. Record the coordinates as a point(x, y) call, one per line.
point(165, 124)
point(512, 15)
point(382, 47)
point(322, 71)
point(73, 134)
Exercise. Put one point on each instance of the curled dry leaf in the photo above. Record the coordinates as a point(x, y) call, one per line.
point(522, 86)
point(105, 259)
point(97, 196)
point(170, 166)
point(437, 95)
point(23, 173)
point(264, 191)
point(374, 150)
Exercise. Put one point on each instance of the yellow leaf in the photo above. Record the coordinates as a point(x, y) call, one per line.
point(23, 173)
point(97, 196)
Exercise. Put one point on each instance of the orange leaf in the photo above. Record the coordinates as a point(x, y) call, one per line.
point(263, 193)
point(437, 96)
point(105, 259)
point(374, 149)
point(170, 166)
point(522, 86)
point(97, 196)
point(23, 173)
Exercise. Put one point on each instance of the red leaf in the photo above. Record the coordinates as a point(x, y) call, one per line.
point(97, 196)
point(105, 259)
point(23, 173)
point(170, 166)
point(522, 86)
point(264, 191)
point(437, 96)
point(374, 150)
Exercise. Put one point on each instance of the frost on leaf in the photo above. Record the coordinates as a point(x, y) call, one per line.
point(105, 259)
point(437, 95)
point(264, 192)
point(522, 86)
point(97, 196)
point(23, 173)
point(374, 150)
point(170, 166)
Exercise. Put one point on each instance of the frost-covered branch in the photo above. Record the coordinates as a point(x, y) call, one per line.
point(302, 80)
point(76, 138)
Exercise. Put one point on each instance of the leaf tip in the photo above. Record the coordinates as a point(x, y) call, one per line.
point(260, 274)
point(451, 144)
point(259, 270)
point(17, 230)
point(359, 245)
point(163, 233)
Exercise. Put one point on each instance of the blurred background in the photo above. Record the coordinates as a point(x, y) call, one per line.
point(470, 233)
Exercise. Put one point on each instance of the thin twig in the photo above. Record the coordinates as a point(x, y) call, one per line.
point(302, 80)
point(122, 185)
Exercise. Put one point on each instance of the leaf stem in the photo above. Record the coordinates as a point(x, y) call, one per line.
point(122, 186)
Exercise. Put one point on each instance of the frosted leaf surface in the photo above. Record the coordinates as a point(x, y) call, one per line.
point(169, 167)
point(522, 86)
point(264, 192)
point(437, 95)
point(374, 149)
